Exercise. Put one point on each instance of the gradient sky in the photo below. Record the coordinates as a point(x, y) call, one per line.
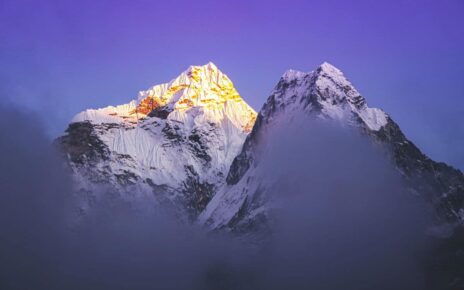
point(406, 57)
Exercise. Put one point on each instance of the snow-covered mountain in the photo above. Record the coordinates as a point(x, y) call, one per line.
point(326, 94)
point(193, 143)
point(176, 141)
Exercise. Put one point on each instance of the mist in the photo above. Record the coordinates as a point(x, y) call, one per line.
point(47, 243)
point(341, 219)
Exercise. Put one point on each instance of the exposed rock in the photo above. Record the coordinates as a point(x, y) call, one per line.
point(176, 142)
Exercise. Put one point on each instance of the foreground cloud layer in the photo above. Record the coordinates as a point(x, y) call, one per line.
point(341, 220)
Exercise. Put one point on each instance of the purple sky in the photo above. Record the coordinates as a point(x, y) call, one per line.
point(406, 57)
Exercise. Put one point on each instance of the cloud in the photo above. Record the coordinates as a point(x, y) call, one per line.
point(343, 221)
point(342, 216)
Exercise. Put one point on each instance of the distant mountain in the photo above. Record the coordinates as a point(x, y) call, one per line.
point(326, 94)
point(194, 145)
point(187, 143)
point(175, 142)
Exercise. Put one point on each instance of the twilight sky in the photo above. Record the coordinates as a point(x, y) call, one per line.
point(406, 57)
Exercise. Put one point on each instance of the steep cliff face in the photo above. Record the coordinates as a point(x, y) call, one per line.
point(325, 94)
point(175, 142)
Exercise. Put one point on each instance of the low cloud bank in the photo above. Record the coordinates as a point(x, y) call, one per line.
point(342, 221)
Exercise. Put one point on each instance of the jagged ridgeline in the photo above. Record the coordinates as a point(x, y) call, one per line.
point(175, 142)
point(325, 94)
point(188, 143)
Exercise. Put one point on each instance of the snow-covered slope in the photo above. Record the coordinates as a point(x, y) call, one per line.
point(176, 140)
point(327, 95)
point(325, 90)
point(193, 143)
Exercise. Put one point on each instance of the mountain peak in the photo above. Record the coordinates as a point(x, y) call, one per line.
point(198, 86)
point(325, 69)
point(197, 72)
point(292, 74)
point(329, 69)
point(176, 142)
point(330, 72)
point(327, 91)
point(208, 66)
point(203, 88)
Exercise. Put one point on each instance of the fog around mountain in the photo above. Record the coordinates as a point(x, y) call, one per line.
point(350, 226)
